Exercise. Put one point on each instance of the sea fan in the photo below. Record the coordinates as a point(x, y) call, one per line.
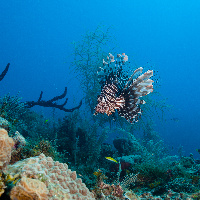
point(120, 92)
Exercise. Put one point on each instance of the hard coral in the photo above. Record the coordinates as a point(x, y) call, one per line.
point(45, 147)
point(2, 184)
point(108, 191)
point(19, 140)
point(61, 182)
point(131, 195)
point(6, 144)
point(25, 149)
point(27, 189)
point(4, 123)
point(17, 151)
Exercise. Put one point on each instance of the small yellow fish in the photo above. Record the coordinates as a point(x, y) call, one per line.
point(111, 159)
point(46, 121)
point(97, 173)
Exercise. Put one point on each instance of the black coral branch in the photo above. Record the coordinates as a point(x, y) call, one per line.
point(53, 102)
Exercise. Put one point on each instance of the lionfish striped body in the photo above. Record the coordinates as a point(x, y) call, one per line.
point(120, 92)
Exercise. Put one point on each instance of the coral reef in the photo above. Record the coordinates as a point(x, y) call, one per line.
point(107, 191)
point(12, 110)
point(131, 195)
point(20, 152)
point(182, 185)
point(6, 144)
point(84, 143)
point(61, 182)
point(4, 123)
point(144, 169)
point(127, 146)
point(28, 188)
point(20, 143)
point(19, 140)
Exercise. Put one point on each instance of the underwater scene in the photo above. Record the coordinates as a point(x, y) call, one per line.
point(99, 99)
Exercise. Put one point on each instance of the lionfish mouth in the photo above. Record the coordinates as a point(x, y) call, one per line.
point(122, 93)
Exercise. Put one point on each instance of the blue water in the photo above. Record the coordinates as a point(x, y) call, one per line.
point(36, 37)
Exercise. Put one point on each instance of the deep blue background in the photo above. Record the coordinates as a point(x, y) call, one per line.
point(36, 36)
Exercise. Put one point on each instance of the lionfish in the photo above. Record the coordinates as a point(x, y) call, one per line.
point(119, 92)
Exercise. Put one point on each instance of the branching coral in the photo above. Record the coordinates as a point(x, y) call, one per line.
point(53, 102)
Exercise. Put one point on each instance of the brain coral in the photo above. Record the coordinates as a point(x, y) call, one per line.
point(6, 144)
point(61, 182)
